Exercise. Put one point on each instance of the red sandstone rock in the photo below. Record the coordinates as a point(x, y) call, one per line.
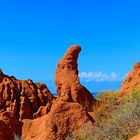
point(1, 75)
point(43, 110)
point(43, 117)
point(63, 119)
point(69, 111)
point(25, 109)
point(132, 81)
point(9, 126)
point(67, 81)
point(137, 137)
point(22, 97)
point(44, 94)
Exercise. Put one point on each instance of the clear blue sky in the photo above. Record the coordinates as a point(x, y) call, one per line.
point(34, 35)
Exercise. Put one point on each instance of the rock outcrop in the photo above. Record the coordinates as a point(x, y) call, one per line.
point(23, 98)
point(9, 126)
point(137, 137)
point(132, 81)
point(29, 109)
point(19, 100)
point(64, 119)
point(69, 112)
point(67, 81)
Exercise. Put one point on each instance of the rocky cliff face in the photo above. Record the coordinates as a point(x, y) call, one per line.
point(20, 99)
point(132, 81)
point(29, 109)
point(137, 137)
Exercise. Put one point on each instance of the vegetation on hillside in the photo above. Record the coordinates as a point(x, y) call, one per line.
point(116, 119)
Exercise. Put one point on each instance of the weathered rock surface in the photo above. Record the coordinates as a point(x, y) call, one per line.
point(69, 112)
point(132, 81)
point(9, 126)
point(35, 114)
point(137, 137)
point(67, 81)
point(22, 97)
point(63, 119)
point(43, 110)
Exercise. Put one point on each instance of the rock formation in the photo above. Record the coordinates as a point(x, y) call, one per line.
point(137, 137)
point(69, 112)
point(20, 99)
point(29, 109)
point(132, 81)
point(67, 81)
point(64, 119)
point(9, 126)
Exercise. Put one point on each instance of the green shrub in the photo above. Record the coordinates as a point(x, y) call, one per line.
point(117, 119)
point(109, 103)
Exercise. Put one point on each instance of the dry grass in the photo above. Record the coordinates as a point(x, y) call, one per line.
point(116, 119)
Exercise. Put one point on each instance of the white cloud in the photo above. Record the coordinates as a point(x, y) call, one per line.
point(99, 76)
